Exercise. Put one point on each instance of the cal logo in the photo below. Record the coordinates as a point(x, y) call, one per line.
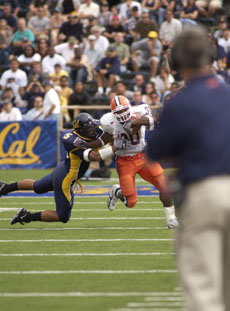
point(20, 151)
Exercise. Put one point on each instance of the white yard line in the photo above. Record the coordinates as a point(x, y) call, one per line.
point(91, 294)
point(83, 240)
point(89, 272)
point(154, 304)
point(82, 228)
point(76, 203)
point(85, 254)
point(145, 309)
point(105, 218)
point(15, 208)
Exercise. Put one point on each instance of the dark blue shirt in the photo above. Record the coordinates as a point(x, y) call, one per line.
point(194, 129)
point(112, 64)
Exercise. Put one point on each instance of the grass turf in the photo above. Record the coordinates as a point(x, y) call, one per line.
point(94, 243)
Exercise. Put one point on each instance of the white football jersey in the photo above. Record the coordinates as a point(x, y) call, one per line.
point(135, 142)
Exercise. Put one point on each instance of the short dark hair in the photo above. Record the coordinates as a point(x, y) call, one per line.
point(192, 49)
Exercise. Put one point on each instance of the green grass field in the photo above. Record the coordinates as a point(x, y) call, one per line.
point(98, 261)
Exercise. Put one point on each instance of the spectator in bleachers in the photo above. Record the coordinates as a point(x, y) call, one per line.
point(14, 6)
point(94, 54)
point(28, 59)
point(221, 26)
point(93, 21)
point(9, 94)
point(37, 74)
point(126, 7)
point(137, 99)
point(33, 90)
point(66, 49)
point(6, 34)
point(155, 104)
point(163, 81)
point(189, 13)
point(10, 113)
point(57, 74)
point(73, 27)
point(225, 40)
point(68, 6)
point(221, 70)
point(149, 52)
point(80, 70)
point(101, 41)
point(51, 102)
point(36, 4)
point(169, 29)
point(105, 14)
point(86, 9)
point(131, 23)
point(56, 20)
point(66, 91)
point(120, 89)
point(80, 97)
point(107, 69)
point(22, 37)
point(42, 47)
point(51, 60)
point(156, 11)
point(122, 50)
point(149, 88)
point(35, 113)
point(113, 29)
point(10, 19)
point(39, 23)
point(144, 26)
point(14, 74)
point(139, 83)
point(209, 7)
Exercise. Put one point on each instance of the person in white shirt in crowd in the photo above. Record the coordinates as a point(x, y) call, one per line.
point(51, 102)
point(10, 113)
point(14, 74)
point(101, 41)
point(37, 112)
point(51, 60)
point(94, 54)
point(86, 9)
point(28, 58)
point(225, 40)
point(163, 81)
point(126, 7)
point(169, 29)
point(39, 23)
point(66, 49)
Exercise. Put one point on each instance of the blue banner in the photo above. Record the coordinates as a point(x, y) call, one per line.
point(28, 144)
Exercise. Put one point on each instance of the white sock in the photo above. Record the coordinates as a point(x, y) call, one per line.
point(169, 212)
point(100, 90)
point(108, 89)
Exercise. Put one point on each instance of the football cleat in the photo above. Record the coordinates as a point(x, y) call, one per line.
point(3, 190)
point(22, 216)
point(172, 223)
point(112, 199)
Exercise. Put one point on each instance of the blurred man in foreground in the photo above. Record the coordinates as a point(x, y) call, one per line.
point(194, 129)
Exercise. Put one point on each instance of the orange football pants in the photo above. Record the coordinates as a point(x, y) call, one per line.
point(129, 166)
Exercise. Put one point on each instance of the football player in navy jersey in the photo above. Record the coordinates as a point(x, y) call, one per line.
point(65, 175)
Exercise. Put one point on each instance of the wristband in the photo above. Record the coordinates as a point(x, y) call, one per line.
point(106, 152)
point(86, 155)
point(102, 143)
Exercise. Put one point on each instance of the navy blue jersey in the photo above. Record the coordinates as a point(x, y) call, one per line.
point(74, 161)
point(194, 129)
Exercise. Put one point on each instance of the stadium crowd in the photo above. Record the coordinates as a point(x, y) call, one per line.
point(62, 53)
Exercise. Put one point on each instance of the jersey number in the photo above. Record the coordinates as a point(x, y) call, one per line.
point(135, 139)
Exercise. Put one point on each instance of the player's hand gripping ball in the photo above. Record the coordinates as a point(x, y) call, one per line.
point(135, 127)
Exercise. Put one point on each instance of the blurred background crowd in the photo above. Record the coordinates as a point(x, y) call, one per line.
point(59, 53)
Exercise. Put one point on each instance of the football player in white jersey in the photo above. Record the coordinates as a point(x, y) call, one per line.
point(125, 126)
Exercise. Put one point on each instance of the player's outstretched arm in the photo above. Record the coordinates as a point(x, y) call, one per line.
point(91, 155)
